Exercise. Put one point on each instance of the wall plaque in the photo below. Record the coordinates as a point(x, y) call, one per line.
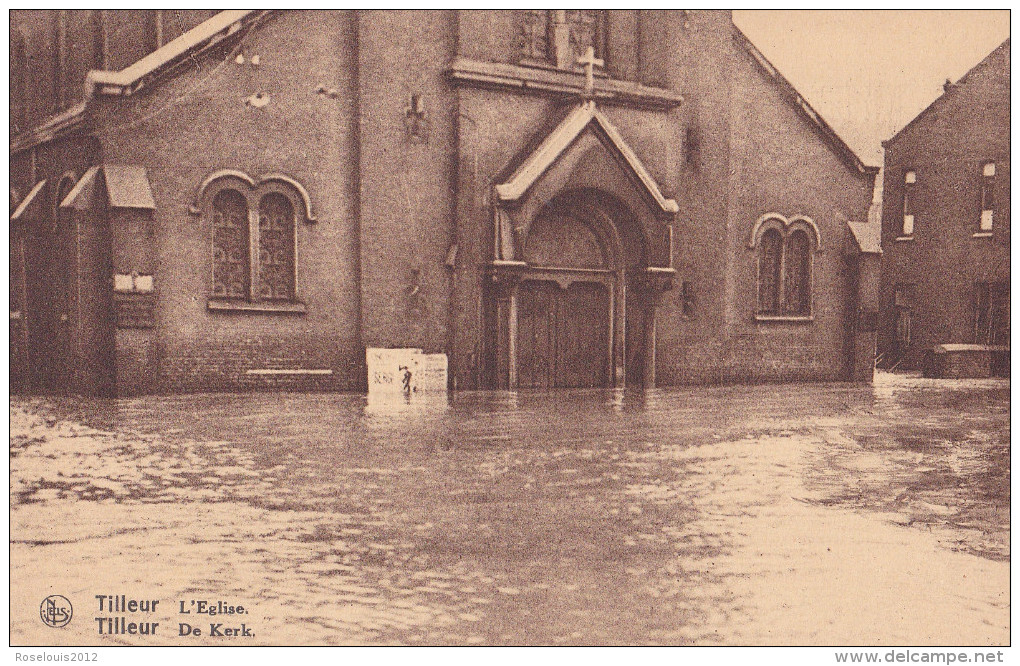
point(135, 310)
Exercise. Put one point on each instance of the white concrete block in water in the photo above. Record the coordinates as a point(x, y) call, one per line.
point(405, 371)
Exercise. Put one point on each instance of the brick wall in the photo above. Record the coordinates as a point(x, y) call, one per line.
point(238, 363)
point(947, 146)
point(373, 269)
point(57, 48)
point(761, 155)
point(197, 122)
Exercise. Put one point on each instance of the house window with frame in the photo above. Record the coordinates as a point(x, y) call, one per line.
point(987, 196)
point(909, 183)
point(784, 270)
point(253, 229)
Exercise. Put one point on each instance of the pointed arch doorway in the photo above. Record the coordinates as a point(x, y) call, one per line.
point(574, 312)
point(582, 251)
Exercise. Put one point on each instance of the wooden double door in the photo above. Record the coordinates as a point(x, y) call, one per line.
point(563, 334)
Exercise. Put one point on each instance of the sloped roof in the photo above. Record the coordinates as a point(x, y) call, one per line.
point(951, 89)
point(127, 80)
point(845, 152)
point(868, 236)
point(22, 207)
point(136, 75)
point(127, 186)
point(556, 143)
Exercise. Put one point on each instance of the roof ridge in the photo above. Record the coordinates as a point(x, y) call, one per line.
point(946, 90)
point(963, 79)
point(844, 150)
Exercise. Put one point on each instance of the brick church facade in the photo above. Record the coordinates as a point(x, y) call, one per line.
point(945, 221)
point(250, 199)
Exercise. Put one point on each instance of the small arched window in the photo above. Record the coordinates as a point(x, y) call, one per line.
point(769, 272)
point(784, 250)
point(797, 265)
point(231, 245)
point(276, 247)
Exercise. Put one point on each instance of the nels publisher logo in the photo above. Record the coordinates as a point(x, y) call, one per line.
point(55, 610)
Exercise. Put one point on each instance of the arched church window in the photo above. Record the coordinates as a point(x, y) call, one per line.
point(18, 92)
point(254, 226)
point(276, 247)
point(784, 250)
point(535, 35)
point(587, 29)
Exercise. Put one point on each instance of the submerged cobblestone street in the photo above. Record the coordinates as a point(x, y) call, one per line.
point(792, 514)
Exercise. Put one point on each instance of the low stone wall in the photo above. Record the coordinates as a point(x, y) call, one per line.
point(957, 361)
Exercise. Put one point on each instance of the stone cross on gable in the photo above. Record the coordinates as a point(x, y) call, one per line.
point(589, 62)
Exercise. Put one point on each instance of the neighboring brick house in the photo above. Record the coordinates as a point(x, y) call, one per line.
point(250, 199)
point(945, 221)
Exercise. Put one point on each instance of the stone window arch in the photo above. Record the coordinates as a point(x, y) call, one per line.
point(785, 250)
point(253, 226)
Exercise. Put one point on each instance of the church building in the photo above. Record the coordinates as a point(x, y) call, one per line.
point(245, 200)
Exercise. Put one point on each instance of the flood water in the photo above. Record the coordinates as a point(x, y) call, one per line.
point(749, 515)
